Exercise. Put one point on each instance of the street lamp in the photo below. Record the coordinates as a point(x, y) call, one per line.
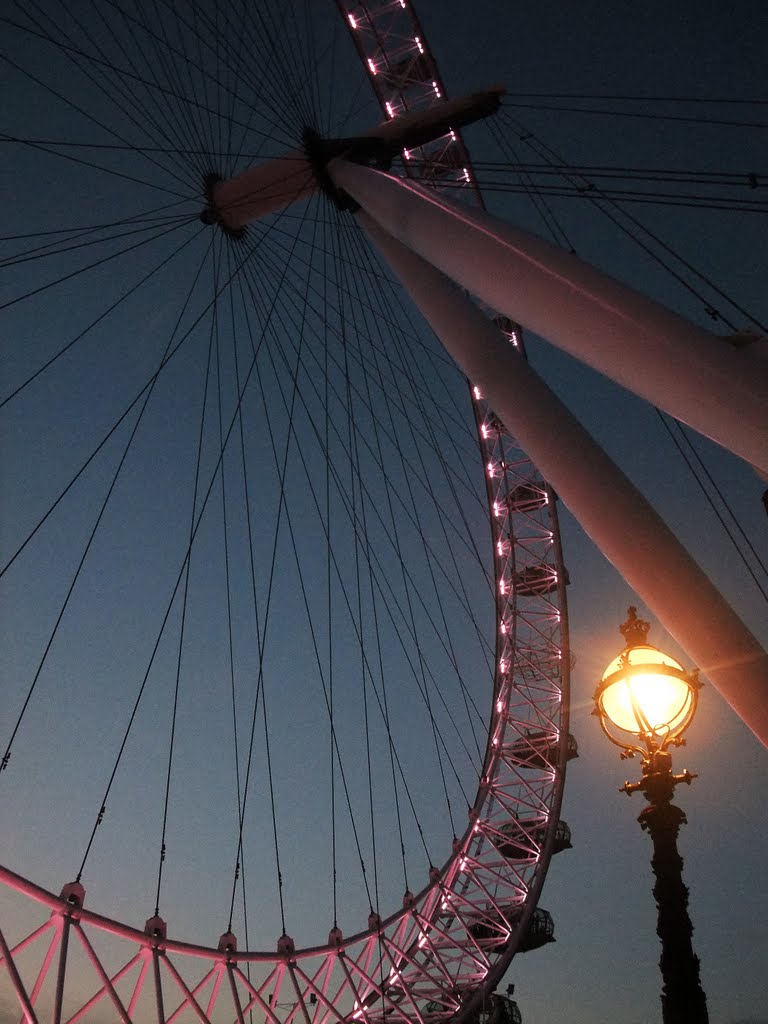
point(645, 701)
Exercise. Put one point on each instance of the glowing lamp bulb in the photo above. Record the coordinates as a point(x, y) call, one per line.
point(642, 699)
point(644, 693)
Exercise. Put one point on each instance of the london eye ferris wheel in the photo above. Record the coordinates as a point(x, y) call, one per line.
point(286, 611)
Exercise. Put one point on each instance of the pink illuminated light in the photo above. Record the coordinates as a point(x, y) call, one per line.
point(352, 20)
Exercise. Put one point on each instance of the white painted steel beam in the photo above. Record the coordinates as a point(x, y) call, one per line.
point(610, 508)
point(275, 184)
point(716, 388)
point(262, 189)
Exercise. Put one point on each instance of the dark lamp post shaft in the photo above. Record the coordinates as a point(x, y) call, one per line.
point(682, 998)
point(645, 701)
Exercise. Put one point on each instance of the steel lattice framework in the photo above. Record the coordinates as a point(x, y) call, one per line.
point(453, 939)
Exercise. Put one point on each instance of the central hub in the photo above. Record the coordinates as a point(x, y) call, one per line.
point(210, 214)
point(274, 185)
point(368, 150)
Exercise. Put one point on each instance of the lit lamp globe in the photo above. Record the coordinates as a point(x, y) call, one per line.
point(645, 700)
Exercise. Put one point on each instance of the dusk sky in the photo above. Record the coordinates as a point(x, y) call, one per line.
point(680, 88)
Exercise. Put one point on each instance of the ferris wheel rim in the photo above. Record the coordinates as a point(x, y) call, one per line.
point(434, 885)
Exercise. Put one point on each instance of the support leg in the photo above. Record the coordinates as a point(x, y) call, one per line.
point(610, 508)
point(718, 389)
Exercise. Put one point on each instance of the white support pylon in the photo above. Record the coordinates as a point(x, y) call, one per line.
point(609, 507)
point(716, 388)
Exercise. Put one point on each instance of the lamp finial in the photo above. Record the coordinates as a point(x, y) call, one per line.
point(634, 630)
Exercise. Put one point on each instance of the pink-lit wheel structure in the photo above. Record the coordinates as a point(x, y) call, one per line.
point(288, 723)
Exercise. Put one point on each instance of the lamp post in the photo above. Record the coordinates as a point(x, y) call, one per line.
point(645, 701)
